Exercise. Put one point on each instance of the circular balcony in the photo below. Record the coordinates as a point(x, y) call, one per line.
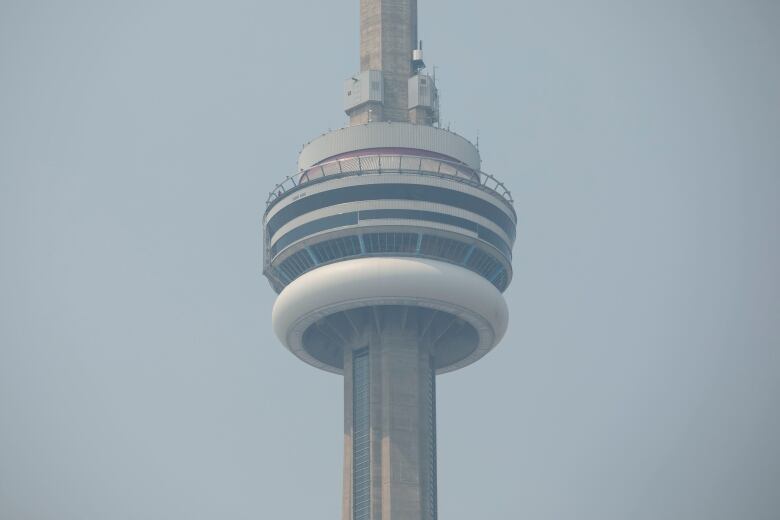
point(392, 164)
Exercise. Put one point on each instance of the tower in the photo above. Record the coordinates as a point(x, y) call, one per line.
point(390, 250)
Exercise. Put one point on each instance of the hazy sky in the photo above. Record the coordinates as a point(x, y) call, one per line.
point(139, 376)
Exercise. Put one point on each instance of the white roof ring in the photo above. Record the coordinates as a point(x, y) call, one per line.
point(389, 135)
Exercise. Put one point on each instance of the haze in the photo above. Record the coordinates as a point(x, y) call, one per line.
point(140, 378)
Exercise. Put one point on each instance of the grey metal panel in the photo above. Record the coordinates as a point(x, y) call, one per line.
point(422, 91)
point(389, 135)
point(362, 88)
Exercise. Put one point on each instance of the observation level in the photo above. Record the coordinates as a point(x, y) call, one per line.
point(388, 191)
point(389, 249)
point(389, 200)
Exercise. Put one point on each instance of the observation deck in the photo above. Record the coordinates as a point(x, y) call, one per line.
point(395, 221)
point(419, 201)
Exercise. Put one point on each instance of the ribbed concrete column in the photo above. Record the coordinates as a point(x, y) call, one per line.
point(402, 423)
point(388, 34)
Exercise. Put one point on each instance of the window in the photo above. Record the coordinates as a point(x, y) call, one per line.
point(390, 242)
point(401, 244)
point(393, 191)
point(361, 447)
point(296, 265)
point(431, 404)
point(315, 226)
point(337, 248)
point(446, 248)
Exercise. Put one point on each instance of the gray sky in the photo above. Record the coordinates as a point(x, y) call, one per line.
point(139, 377)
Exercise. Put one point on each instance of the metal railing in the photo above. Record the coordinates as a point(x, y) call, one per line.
point(390, 165)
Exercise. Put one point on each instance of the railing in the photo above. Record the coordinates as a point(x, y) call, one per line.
point(390, 165)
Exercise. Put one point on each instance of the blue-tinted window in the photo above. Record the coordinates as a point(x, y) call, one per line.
point(402, 244)
point(296, 265)
point(431, 404)
point(440, 247)
point(337, 248)
point(361, 446)
point(390, 242)
point(346, 219)
point(315, 226)
point(484, 264)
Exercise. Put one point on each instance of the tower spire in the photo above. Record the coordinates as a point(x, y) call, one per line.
point(388, 35)
point(388, 87)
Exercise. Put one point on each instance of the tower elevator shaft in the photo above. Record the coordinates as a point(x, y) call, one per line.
point(390, 418)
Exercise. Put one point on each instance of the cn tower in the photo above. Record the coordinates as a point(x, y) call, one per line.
point(390, 250)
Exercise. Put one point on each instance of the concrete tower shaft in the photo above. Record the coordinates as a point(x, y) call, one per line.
point(389, 248)
point(389, 325)
point(388, 35)
point(390, 419)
